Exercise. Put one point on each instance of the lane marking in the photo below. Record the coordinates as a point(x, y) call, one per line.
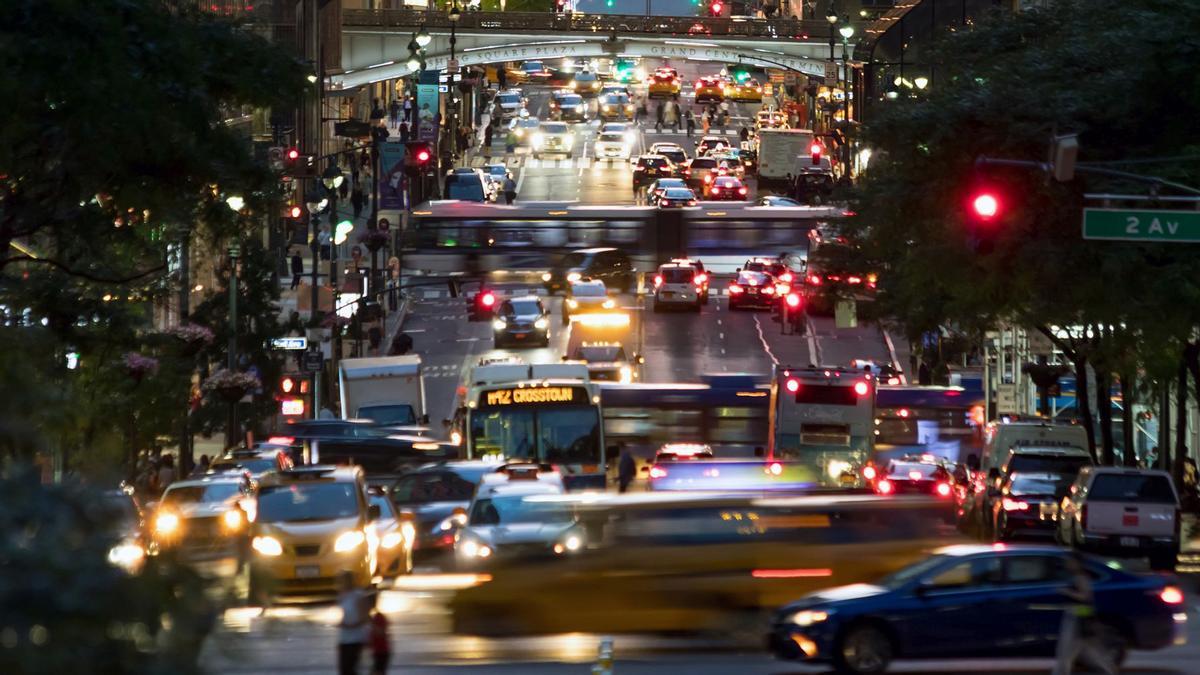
point(415, 330)
point(763, 340)
point(474, 339)
point(814, 347)
point(887, 339)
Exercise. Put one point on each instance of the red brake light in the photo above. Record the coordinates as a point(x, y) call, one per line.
point(658, 472)
point(768, 290)
point(861, 388)
point(884, 487)
point(487, 299)
point(793, 300)
point(658, 280)
point(814, 279)
point(854, 280)
point(1171, 595)
point(700, 278)
point(774, 468)
point(742, 190)
point(943, 489)
point(793, 385)
point(786, 277)
point(903, 412)
point(869, 472)
point(1011, 504)
point(734, 289)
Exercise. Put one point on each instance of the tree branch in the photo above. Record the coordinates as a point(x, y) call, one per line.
point(4, 262)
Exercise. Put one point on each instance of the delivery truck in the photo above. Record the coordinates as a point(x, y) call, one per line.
point(777, 153)
point(390, 390)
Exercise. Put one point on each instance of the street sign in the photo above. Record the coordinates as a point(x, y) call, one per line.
point(1006, 399)
point(831, 73)
point(291, 344)
point(313, 361)
point(1141, 225)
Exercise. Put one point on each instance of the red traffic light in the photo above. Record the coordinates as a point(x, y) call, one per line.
point(985, 205)
point(716, 8)
point(294, 211)
point(487, 299)
point(293, 153)
point(422, 155)
point(287, 385)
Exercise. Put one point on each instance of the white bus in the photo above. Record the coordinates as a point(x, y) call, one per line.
point(822, 418)
point(543, 413)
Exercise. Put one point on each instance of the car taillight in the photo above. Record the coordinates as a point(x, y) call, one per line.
point(786, 277)
point(814, 280)
point(742, 191)
point(701, 278)
point(1171, 595)
point(658, 280)
point(666, 202)
point(869, 472)
point(793, 300)
point(861, 388)
point(487, 299)
point(884, 487)
point(658, 472)
point(734, 289)
point(854, 280)
point(793, 385)
point(708, 178)
point(943, 489)
point(768, 290)
point(1011, 504)
point(715, 190)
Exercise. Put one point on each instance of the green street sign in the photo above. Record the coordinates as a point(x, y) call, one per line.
point(1141, 225)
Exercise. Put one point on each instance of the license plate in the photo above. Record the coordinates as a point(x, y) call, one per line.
point(307, 571)
point(520, 336)
point(1132, 542)
point(668, 294)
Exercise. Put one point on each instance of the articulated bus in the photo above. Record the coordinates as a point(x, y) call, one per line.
point(727, 412)
point(822, 419)
point(545, 413)
point(943, 421)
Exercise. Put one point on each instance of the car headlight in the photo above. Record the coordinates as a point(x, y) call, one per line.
point(267, 545)
point(609, 303)
point(166, 523)
point(391, 540)
point(807, 617)
point(541, 324)
point(232, 520)
point(626, 374)
point(499, 324)
point(546, 276)
point(607, 108)
point(456, 520)
point(574, 84)
point(574, 276)
point(348, 541)
point(573, 304)
point(569, 544)
point(127, 555)
point(570, 139)
point(473, 549)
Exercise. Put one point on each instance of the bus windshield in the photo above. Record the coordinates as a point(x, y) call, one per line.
point(557, 435)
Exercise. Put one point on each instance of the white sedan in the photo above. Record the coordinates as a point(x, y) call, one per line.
point(612, 145)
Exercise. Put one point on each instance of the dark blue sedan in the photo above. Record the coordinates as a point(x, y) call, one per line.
point(974, 601)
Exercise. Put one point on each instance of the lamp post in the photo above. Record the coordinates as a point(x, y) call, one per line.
point(832, 17)
point(452, 128)
point(315, 204)
point(846, 31)
point(332, 179)
point(235, 252)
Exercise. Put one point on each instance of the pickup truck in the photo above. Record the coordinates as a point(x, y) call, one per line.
point(1122, 511)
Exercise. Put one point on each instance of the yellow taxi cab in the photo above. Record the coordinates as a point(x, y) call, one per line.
point(663, 83)
point(312, 523)
point(770, 119)
point(744, 91)
point(710, 89)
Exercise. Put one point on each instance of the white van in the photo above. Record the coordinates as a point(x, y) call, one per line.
point(999, 439)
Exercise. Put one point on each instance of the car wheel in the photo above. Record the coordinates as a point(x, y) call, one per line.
point(863, 650)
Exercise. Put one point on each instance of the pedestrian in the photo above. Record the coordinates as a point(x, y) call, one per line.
point(501, 78)
point(166, 472)
point(408, 109)
point(377, 112)
point(690, 121)
point(510, 142)
point(744, 134)
point(404, 133)
point(393, 283)
point(344, 190)
point(705, 122)
point(1077, 641)
point(626, 469)
point(658, 116)
point(510, 190)
point(401, 344)
point(353, 628)
point(324, 241)
point(640, 112)
point(297, 269)
point(394, 113)
point(201, 467)
point(675, 116)
point(357, 200)
point(488, 131)
point(381, 646)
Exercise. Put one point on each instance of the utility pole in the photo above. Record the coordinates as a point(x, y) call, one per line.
point(231, 435)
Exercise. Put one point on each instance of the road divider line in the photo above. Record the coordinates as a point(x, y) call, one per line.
point(814, 346)
point(891, 347)
point(762, 338)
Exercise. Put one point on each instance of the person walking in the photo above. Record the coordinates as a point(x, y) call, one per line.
point(675, 115)
point(201, 467)
point(357, 200)
point(705, 122)
point(166, 472)
point(626, 469)
point(404, 132)
point(501, 78)
point(1077, 641)
point(744, 134)
point(353, 628)
point(658, 116)
point(510, 190)
point(510, 142)
point(381, 647)
point(394, 113)
point(690, 123)
point(297, 269)
point(408, 110)
point(488, 131)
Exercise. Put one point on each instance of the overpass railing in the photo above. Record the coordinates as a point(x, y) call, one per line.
point(543, 22)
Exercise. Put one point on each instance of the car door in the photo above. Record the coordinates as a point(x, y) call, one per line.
point(1029, 610)
point(948, 612)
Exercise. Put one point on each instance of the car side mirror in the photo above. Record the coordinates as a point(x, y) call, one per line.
point(374, 512)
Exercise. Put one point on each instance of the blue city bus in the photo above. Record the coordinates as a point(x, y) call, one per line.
point(822, 419)
point(726, 412)
point(944, 421)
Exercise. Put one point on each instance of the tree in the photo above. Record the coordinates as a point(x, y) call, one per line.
point(1110, 70)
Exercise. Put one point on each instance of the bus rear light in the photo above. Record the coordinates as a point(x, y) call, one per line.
point(657, 472)
point(658, 280)
point(861, 388)
point(884, 487)
point(793, 385)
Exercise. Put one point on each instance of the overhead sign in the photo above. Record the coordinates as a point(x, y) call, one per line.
point(1006, 399)
point(500, 398)
point(291, 344)
point(1141, 225)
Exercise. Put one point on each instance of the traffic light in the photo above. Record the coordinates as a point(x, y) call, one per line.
point(293, 395)
point(560, 5)
point(716, 7)
point(815, 150)
point(297, 164)
point(985, 205)
point(293, 211)
point(418, 157)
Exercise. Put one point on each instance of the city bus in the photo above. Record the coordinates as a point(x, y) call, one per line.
point(822, 418)
point(944, 421)
point(543, 413)
point(726, 412)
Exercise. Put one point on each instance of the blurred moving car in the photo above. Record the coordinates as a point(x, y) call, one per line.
point(751, 288)
point(553, 137)
point(521, 320)
point(748, 91)
point(612, 146)
point(676, 285)
point(606, 361)
point(204, 519)
point(123, 515)
point(511, 103)
point(975, 601)
point(524, 128)
point(610, 265)
point(252, 461)
point(313, 522)
point(586, 83)
point(434, 494)
point(395, 533)
point(511, 521)
point(727, 188)
point(616, 107)
point(674, 197)
point(709, 89)
point(586, 296)
point(648, 168)
point(663, 84)
point(658, 187)
point(1121, 511)
point(469, 185)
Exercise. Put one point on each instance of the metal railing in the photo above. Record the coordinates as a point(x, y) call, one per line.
point(542, 22)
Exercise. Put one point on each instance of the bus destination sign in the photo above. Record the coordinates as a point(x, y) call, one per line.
point(500, 398)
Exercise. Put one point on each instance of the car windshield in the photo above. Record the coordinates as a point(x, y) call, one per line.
point(675, 155)
point(196, 494)
point(752, 278)
point(678, 193)
point(601, 353)
point(1145, 488)
point(678, 275)
point(588, 291)
point(905, 575)
point(528, 123)
point(664, 183)
point(612, 138)
point(585, 77)
point(703, 163)
point(307, 501)
point(509, 98)
point(464, 187)
point(455, 485)
point(1040, 483)
point(617, 99)
point(254, 465)
point(1033, 463)
point(504, 510)
point(554, 128)
point(523, 307)
point(388, 414)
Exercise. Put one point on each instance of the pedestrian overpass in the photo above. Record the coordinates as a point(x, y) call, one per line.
point(375, 42)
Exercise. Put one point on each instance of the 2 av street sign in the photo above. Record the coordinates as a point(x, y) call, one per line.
point(1141, 225)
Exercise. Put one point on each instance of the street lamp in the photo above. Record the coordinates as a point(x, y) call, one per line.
point(832, 17)
point(847, 32)
point(236, 202)
point(332, 178)
point(921, 82)
point(423, 38)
